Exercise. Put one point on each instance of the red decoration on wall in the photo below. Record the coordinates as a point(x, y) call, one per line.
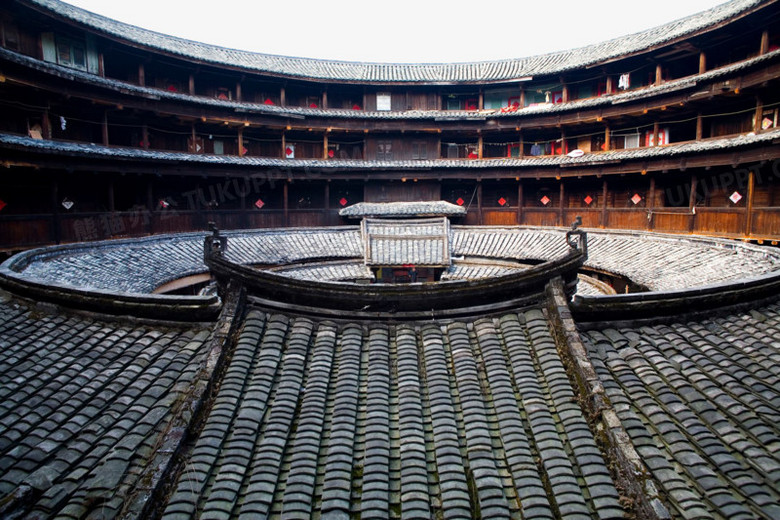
point(331, 153)
point(545, 200)
point(172, 88)
point(636, 199)
point(588, 200)
point(355, 107)
point(460, 201)
point(268, 101)
point(313, 105)
point(164, 203)
point(288, 151)
point(2, 204)
point(502, 201)
point(259, 203)
point(473, 155)
point(343, 201)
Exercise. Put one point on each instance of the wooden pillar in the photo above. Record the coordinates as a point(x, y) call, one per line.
point(105, 128)
point(150, 205)
point(283, 97)
point(192, 85)
point(479, 202)
point(480, 142)
point(46, 125)
point(522, 145)
point(240, 141)
point(141, 75)
point(655, 133)
point(56, 222)
point(692, 203)
point(560, 205)
point(239, 94)
point(749, 212)
point(699, 126)
point(607, 143)
point(702, 62)
point(286, 193)
point(522, 97)
point(111, 198)
point(520, 203)
point(563, 142)
point(324, 99)
point(658, 74)
point(764, 42)
point(651, 204)
point(759, 116)
point(481, 100)
point(604, 204)
point(325, 146)
point(564, 91)
point(284, 146)
point(145, 137)
point(610, 85)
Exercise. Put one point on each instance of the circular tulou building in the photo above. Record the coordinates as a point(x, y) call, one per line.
point(241, 285)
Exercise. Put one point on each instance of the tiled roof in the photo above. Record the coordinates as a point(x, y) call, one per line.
point(141, 265)
point(644, 93)
point(391, 242)
point(502, 70)
point(92, 150)
point(89, 410)
point(701, 404)
point(338, 420)
point(431, 208)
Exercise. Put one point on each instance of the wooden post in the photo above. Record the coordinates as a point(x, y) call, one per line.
point(286, 193)
point(520, 203)
point(563, 142)
point(702, 62)
point(145, 137)
point(759, 115)
point(607, 143)
point(111, 199)
point(150, 205)
point(651, 204)
point(610, 85)
point(56, 222)
point(560, 205)
point(692, 204)
point(764, 42)
point(522, 146)
point(46, 125)
point(658, 74)
point(141, 75)
point(604, 204)
point(192, 85)
point(105, 128)
point(283, 97)
point(284, 146)
point(699, 126)
point(480, 142)
point(324, 99)
point(481, 100)
point(239, 94)
point(655, 133)
point(749, 212)
point(325, 146)
point(522, 97)
point(240, 141)
point(479, 202)
point(564, 91)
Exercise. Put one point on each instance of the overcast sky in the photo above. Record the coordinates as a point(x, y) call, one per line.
point(398, 31)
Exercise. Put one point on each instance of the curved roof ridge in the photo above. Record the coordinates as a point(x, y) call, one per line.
point(375, 72)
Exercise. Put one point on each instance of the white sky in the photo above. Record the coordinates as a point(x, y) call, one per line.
point(397, 31)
